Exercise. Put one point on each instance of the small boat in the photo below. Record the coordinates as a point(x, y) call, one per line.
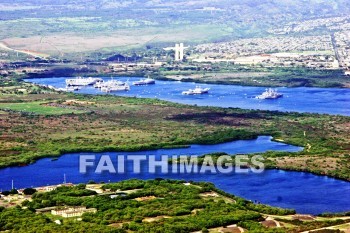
point(73, 88)
point(69, 89)
point(147, 81)
point(269, 94)
point(197, 91)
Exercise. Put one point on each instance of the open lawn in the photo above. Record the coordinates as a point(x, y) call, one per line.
point(37, 108)
point(70, 40)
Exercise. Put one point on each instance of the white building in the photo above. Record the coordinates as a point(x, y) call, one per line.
point(68, 212)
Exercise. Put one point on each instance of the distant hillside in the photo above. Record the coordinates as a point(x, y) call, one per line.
point(266, 8)
point(62, 26)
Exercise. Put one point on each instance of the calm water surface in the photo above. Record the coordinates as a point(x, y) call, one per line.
point(304, 99)
point(304, 192)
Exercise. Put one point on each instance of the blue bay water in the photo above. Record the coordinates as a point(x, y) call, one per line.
point(304, 192)
point(303, 99)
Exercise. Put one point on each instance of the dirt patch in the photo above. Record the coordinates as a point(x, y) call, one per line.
point(302, 217)
point(308, 162)
point(148, 198)
point(154, 219)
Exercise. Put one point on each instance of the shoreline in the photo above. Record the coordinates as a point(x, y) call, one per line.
point(167, 145)
point(205, 106)
point(218, 190)
point(187, 78)
point(55, 157)
point(221, 82)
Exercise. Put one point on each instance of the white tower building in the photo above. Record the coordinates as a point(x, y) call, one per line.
point(179, 51)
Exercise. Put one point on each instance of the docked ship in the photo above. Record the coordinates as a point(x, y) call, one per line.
point(101, 84)
point(197, 91)
point(147, 81)
point(112, 88)
point(125, 87)
point(270, 94)
point(80, 81)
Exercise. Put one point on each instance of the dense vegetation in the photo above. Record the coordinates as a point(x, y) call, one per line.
point(260, 76)
point(41, 125)
point(174, 206)
point(37, 122)
point(20, 220)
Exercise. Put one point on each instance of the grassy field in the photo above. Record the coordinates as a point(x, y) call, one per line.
point(78, 36)
point(37, 107)
point(111, 123)
point(40, 125)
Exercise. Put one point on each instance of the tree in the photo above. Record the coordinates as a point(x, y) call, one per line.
point(29, 191)
point(13, 191)
point(6, 193)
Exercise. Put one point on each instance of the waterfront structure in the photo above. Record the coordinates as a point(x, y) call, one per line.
point(50, 188)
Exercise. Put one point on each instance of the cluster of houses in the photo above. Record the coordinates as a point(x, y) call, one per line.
point(343, 48)
point(256, 46)
point(334, 23)
point(303, 51)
